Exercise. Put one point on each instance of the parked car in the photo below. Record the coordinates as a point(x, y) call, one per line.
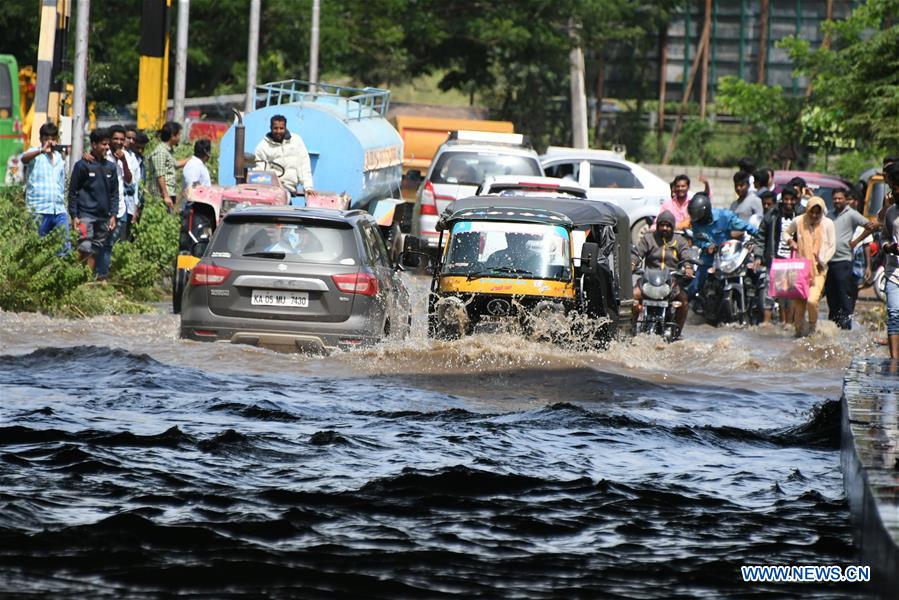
point(517, 185)
point(820, 184)
point(460, 166)
point(295, 278)
point(608, 176)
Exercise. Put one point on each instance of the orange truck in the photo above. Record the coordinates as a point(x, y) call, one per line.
point(423, 135)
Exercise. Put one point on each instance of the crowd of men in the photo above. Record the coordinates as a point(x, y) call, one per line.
point(787, 223)
point(107, 187)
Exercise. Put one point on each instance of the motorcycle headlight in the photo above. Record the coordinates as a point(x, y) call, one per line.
point(730, 264)
point(656, 292)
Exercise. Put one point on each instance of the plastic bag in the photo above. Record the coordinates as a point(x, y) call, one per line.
point(790, 278)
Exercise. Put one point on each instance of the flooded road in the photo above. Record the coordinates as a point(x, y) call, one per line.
point(135, 464)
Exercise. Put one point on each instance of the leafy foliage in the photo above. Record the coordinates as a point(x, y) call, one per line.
point(694, 143)
point(771, 117)
point(856, 80)
point(33, 277)
point(139, 266)
point(511, 54)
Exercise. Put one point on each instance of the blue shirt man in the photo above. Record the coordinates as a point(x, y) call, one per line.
point(708, 234)
point(45, 187)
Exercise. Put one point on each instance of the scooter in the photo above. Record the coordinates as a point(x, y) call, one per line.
point(730, 293)
point(657, 315)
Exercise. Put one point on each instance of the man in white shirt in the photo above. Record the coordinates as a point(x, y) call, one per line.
point(195, 171)
point(116, 155)
point(286, 149)
point(132, 190)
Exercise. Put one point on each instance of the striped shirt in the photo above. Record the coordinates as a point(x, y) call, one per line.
point(45, 188)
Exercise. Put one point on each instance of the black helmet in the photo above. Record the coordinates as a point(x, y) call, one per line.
point(700, 209)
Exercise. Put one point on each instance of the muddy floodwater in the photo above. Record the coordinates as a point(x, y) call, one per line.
point(134, 464)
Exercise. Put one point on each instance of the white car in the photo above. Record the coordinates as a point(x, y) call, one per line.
point(502, 185)
point(460, 166)
point(608, 176)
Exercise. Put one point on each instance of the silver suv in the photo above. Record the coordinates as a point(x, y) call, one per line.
point(460, 166)
point(297, 279)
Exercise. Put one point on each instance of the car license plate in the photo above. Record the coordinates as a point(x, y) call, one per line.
point(279, 298)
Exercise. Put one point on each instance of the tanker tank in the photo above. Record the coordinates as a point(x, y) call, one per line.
point(352, 147)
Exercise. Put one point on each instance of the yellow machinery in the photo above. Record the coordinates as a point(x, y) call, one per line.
point(152, 87)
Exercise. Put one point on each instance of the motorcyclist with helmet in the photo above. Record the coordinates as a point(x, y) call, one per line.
point(662, 248)
point(712, 227)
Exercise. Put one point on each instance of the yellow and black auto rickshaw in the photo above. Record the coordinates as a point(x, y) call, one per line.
point(531, 260)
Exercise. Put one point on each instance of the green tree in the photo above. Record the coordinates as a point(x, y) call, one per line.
point(856, 79)
point(772, 118)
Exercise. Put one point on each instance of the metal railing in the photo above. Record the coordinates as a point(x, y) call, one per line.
point(361, 103)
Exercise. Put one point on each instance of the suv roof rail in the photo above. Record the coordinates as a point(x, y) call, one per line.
point(513, 139)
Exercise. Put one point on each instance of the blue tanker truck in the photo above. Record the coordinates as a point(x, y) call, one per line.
point(354, 151)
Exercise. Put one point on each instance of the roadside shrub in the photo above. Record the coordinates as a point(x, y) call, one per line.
point(141, 267)
point(34, 278)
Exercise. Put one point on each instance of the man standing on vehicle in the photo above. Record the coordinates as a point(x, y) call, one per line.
point(287, 150)
point(774, 245)
point(94, 198)
point(163, 180)
point(45, 187)
point(839, 282)
point(747, 204)
point(711, 227)
point(659, 249)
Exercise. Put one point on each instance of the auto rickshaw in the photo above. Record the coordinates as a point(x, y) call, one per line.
point(530, 260)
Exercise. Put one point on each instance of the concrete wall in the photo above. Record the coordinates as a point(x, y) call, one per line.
point(870, 460)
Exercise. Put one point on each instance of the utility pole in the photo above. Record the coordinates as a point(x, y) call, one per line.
point(313, 45)
point(252, 56)
point(578, 96)
point(79, 94)
point(45, 54)
point(181, 60)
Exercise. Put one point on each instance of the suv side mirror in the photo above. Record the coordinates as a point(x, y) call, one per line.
point(590, 257)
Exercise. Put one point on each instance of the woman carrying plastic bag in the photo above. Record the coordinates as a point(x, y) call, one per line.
point(813, 237)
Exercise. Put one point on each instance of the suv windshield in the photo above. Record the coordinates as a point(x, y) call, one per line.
point(297, 240)
point(472, 168)
point(509, 249)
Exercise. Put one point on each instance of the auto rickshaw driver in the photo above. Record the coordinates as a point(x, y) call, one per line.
point(516, 255)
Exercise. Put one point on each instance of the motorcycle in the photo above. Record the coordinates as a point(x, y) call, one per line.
point(657, 315)
point(730, 293)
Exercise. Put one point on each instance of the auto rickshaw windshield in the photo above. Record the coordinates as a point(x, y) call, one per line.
point(509, 249)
